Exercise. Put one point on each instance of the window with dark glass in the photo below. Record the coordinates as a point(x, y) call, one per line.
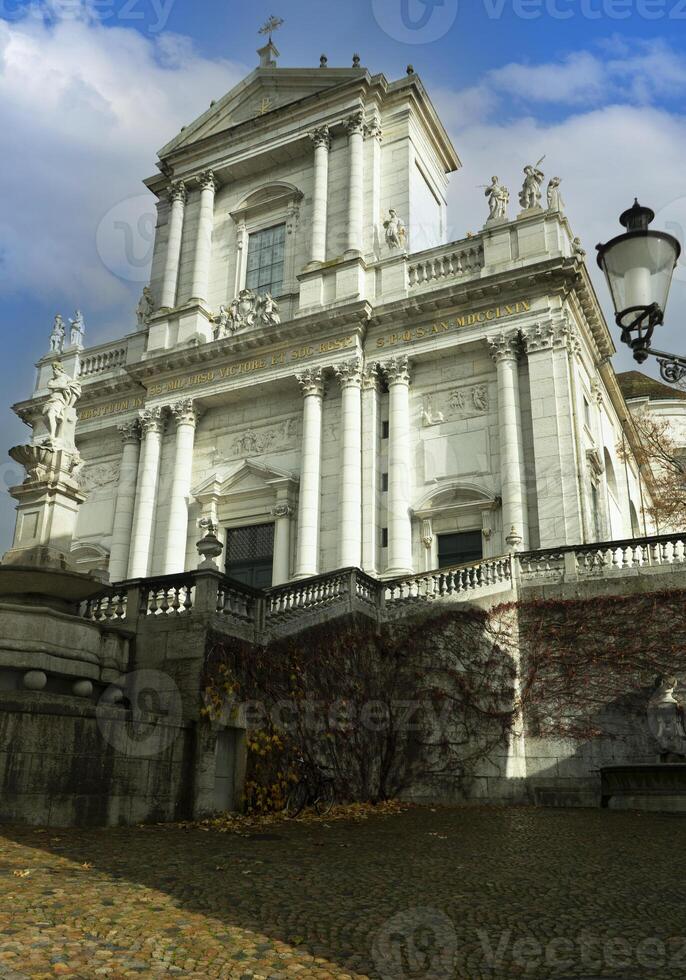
point(265, 260)
point(460, 548)
point(250, 554)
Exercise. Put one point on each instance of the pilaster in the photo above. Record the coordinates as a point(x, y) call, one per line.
point(185, 415)
point(349, 374)
point(548, 345)
point(397, 371)
point(152, 428)
point(307, 554)
point(370, 468)
point(178, 197)
point(126, 499)
point(504, 351)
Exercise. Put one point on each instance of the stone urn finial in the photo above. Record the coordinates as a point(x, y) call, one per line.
point(209, 546)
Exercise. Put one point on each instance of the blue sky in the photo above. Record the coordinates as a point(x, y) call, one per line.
point(90, 89)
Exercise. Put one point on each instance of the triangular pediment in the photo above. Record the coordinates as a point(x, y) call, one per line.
point(262, 92)
point(245, 477)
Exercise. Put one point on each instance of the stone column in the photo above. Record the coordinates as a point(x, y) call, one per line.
point(177, 196)
point(152, 427)
point(548, 346)
point(282, 514)
point(370, 468)
point(515, 520)
point(126, 500)
point(399, 521)
point(186, 418)
point(350, 501)
point(320, 196)
point(355, 127)
point(203, 242)
point(307, 555)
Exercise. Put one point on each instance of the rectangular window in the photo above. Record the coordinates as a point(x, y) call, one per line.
point(384, 537)
point(265, 260)
point(250, 554)
point(587, 413)
point(384, 429)
point(384, 482)
point(459, 549)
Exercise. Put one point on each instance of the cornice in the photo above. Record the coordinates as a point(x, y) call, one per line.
point(353, 318)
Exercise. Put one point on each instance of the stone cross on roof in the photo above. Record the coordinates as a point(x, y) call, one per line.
point(269, 53)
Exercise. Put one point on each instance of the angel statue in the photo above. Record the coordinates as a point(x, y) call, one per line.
point(498, 199)
point(77, 329)
point(64, 393)
point(530, 194)
point(145, 308)
point(57, 336)
point(395, 230)
point(555, 202)
point(269, 310)
point(222, 320)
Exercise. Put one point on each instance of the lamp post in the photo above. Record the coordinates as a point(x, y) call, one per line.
point(638, 267)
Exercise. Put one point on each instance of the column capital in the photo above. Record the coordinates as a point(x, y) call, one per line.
point(130, 432)
point(355, 123)
point(282, 510)
point(151, 420)
point(177, 191)
point(311, 382)
point(207, 181)
point(504, 346)
point(370, 377)
point(349, 373)
point(397, 370)
point(321, 136)
point(185, 412)
point(373, 130)
point(550, 334)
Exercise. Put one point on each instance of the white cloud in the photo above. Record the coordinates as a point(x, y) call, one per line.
point(84, 108)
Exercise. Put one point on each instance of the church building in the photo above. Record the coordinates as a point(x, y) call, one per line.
point(318, 373)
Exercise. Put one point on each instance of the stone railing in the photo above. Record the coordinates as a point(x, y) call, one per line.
point(100, 360)
point(461, 582)
point(263, 614)
point(447, 262)
point(607, 559)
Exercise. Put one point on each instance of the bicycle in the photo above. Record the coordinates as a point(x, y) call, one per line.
point(313, 788)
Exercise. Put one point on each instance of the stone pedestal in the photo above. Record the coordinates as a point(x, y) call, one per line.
point(48, 501)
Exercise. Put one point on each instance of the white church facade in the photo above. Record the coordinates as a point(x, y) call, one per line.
point(319, 374)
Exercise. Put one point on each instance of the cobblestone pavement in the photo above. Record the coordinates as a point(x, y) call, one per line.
point(424, 894)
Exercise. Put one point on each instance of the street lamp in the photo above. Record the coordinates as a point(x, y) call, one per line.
point(638, 267)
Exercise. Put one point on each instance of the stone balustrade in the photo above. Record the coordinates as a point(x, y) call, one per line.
point(101, 360)
point(265, 614)
point(445, 263)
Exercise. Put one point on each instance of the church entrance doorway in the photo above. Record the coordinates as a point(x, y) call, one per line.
point(250, 554)
point(459, 548)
